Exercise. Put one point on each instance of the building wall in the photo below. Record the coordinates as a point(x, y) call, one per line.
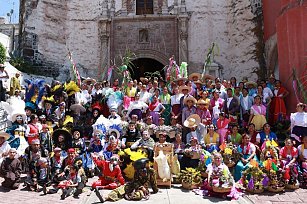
point(52, 27)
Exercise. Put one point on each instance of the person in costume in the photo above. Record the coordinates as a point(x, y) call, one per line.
point(232, 106)
point(137, 107)
point(18, 129)
point(265, 98)
point(251, 131)
point(34, 128)
point(165, 99)
point(10, 170)
point(288, 156)
point(222, 126)
point(175, 127)
point(246, 103)
point(3, 77)
point(56, 163)
point(203, 112)
point(110, 174)
point(150, 127)
point(129, 95)
point(155, 109)
point(175, 103)
point(132, 135)
point(235, 137)
point(42, 174)
point(146, 143)
point(97, 143)
point(278, 108)
point(265, 134)
point(45, 138)
point(192, 122)
point(137, 189)
point(219, 176)
point(144, 94)
point(60, 113)
point(248, 151)
point(62, 139)
point(212, 139)
point(78, 142)
point(192, 153)
point(302, 149)
point(257, 114)
point(4, 146)
point(299, 122)
point(15, 84)
point(216, 105)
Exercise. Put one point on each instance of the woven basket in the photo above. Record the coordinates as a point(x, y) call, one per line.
point(189, 186)
point(276, 190)
point(292, 186)
point(255, 191)
point(220, 189)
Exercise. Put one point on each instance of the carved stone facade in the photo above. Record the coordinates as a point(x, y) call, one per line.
point(99, 31)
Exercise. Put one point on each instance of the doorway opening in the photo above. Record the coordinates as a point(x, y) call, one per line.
point(143, 65)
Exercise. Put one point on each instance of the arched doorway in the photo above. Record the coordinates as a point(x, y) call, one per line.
point(143, 65)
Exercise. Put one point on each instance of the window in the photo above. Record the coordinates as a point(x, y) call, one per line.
point(144, 7)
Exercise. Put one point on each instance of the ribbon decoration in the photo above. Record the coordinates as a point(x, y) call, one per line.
point(110, 71)
point(76, 73)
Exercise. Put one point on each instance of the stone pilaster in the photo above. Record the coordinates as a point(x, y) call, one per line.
point(104, 31)
point(183, 38)
point(164, 7)
point(112, 9)
point(124, 11)
point(183, 8)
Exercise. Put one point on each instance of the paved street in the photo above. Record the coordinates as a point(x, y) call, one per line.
point(175, 195)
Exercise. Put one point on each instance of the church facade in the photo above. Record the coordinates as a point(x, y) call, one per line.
point(99, 32)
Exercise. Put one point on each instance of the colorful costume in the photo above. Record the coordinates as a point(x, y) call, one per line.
point(111, 176)
point(259, 113)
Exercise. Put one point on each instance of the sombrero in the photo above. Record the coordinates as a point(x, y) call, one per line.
point(198, 82)
point(64, 132)
point(198, 75)
point(116, 131)
point(208, 76)
point(254, 84)
point(189, 98)
point(77, 128)
point(77, 108)
point(88, 79)
point(192, 121)
point(97, 106)
point(5, 135)
point(202, 102)
point(184, 87)
point(142, 79)
point(30, 106)
point(180, 78)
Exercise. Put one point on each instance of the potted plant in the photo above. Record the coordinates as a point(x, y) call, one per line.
point(190, 178)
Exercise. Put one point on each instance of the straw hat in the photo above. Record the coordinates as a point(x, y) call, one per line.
point(189, 98)
point(192, 121)
point(198, 75)
point(208, 76)
point(144, 79)
point(116, 132)
point(254, 84)
point(202, 102)
point(184, 87)
point(88, 79)
point(198, 82)
point(5, 135)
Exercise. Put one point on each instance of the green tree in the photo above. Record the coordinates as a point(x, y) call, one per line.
point(2, 54)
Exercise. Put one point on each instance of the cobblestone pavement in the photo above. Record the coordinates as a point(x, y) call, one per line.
point(175, 195)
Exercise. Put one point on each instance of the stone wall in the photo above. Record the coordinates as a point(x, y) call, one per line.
point(229, 23)
point(52, 27)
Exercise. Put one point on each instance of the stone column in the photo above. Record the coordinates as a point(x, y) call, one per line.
point(124, 8)
point(112, 9)
point(104, 30)
point(105, 8)
point(183, 8)
point(183, 39)
point(164, 7)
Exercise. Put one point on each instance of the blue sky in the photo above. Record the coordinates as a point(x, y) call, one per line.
point(6, 6)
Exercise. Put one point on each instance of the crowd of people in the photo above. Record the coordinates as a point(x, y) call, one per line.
point(61, 133)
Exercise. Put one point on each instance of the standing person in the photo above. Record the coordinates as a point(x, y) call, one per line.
point(246, 103)
point(137, 107)
point(175, 103)
point(3, 76)
point(33, 129)
point(15, 84)
point(165, 99)
point(299, 122)
point(155, 109)
point(216, 105)
point(10, 170)
point(231, 107)
point(257, 114)
point(278, 107)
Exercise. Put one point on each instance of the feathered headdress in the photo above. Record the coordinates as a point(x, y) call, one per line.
point(71, 88)
point(34, 90)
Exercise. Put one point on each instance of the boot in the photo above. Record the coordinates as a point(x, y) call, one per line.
point(63, 196)
point(98, 195)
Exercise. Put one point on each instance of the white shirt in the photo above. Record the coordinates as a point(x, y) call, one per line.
point(228, 101)
point(298, 119)
point(300, 151)
point(144, 96)
point(175, 99)
point(245, 102)
point(267, 91)
point(4, 148)
point(137, 105)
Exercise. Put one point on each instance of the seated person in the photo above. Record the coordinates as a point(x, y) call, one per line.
point(192, 154)
point(235, 137)
point(302, 149)
point(212, 139)
point(146, 142)
point(10, 170)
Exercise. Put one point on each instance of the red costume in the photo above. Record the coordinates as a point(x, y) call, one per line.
point(110, 179)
